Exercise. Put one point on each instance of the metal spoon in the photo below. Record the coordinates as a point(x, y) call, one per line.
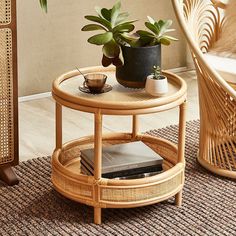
point(80, 72)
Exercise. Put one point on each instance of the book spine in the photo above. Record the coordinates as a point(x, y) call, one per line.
point(137, 171)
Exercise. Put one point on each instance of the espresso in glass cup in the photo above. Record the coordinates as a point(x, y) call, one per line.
point(95, 82)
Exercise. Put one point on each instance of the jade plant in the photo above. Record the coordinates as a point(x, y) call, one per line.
point(118, 31)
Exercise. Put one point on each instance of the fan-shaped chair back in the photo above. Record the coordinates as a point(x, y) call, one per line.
point(201, 22)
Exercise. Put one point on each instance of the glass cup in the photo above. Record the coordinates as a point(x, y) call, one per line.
point(95, 82)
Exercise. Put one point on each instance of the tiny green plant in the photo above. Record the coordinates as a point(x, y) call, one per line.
point(157, 74)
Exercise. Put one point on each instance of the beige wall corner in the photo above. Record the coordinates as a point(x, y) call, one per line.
point(51, 44)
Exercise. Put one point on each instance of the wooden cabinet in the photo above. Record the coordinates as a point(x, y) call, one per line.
point(9, 151)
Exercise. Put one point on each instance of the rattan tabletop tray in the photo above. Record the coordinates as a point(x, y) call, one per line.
point(119, 98)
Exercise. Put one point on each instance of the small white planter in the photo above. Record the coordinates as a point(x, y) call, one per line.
point(156, 87)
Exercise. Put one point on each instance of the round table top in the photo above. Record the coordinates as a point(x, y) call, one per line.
point(66, 88)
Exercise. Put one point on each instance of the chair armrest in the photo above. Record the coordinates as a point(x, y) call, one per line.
point(219, 4)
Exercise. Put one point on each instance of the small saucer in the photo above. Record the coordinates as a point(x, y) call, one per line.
point(105, 89)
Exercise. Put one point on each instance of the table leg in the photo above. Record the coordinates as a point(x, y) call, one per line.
point(8, 176)
point(97, 162)
point(58, 126)
point(181, 145)
point(135, 128)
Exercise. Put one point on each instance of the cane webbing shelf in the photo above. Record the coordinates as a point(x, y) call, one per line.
point(8, 91)
point(67, 176)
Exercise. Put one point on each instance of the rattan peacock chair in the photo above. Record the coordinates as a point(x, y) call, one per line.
point(202, 22)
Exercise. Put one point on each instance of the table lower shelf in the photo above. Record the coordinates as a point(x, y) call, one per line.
point(113, 193)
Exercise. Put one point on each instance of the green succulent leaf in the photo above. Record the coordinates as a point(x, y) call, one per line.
point(129, 39)
point(128, 36)
point(160, 23)
point(125, 27)
point(101, 39)
point(164, 25)
point(144, 33)
point(157, 26)
point(146, 41)
point(167, 24)
point(151, 20)
point(115, 13)
point(99, 20)
point(164, 41)
point(106, 14)
point(130, 22)
point(122, 17)
point(170, 30)
point(169, 38)
point(136, 43)
point(146, 38)
point(111, 49)
point(92, 27)
point(43, 4)
point(152, 27)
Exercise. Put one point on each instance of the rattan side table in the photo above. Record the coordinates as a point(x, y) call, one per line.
point(112, 193)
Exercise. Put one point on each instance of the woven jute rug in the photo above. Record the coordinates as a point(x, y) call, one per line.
point(34, 208)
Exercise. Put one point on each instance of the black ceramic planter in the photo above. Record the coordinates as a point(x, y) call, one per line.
point(138, 64)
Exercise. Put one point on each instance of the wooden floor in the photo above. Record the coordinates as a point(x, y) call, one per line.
point(37, 128)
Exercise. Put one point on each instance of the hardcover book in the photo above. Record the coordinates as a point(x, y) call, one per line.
point(123, 160)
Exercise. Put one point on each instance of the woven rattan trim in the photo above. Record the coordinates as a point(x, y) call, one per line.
point(142, 193)
point(6, 98)
point(5, 12)
point(77, 188)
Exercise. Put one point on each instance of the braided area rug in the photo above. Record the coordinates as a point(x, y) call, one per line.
point(34, 208)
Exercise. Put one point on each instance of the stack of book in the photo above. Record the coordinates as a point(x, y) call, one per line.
point(124, 161)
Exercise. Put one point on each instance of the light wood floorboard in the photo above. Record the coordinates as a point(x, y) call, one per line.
point(37, 128)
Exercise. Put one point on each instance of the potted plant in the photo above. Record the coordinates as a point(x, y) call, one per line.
point(141, 50)
point(156, 83)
